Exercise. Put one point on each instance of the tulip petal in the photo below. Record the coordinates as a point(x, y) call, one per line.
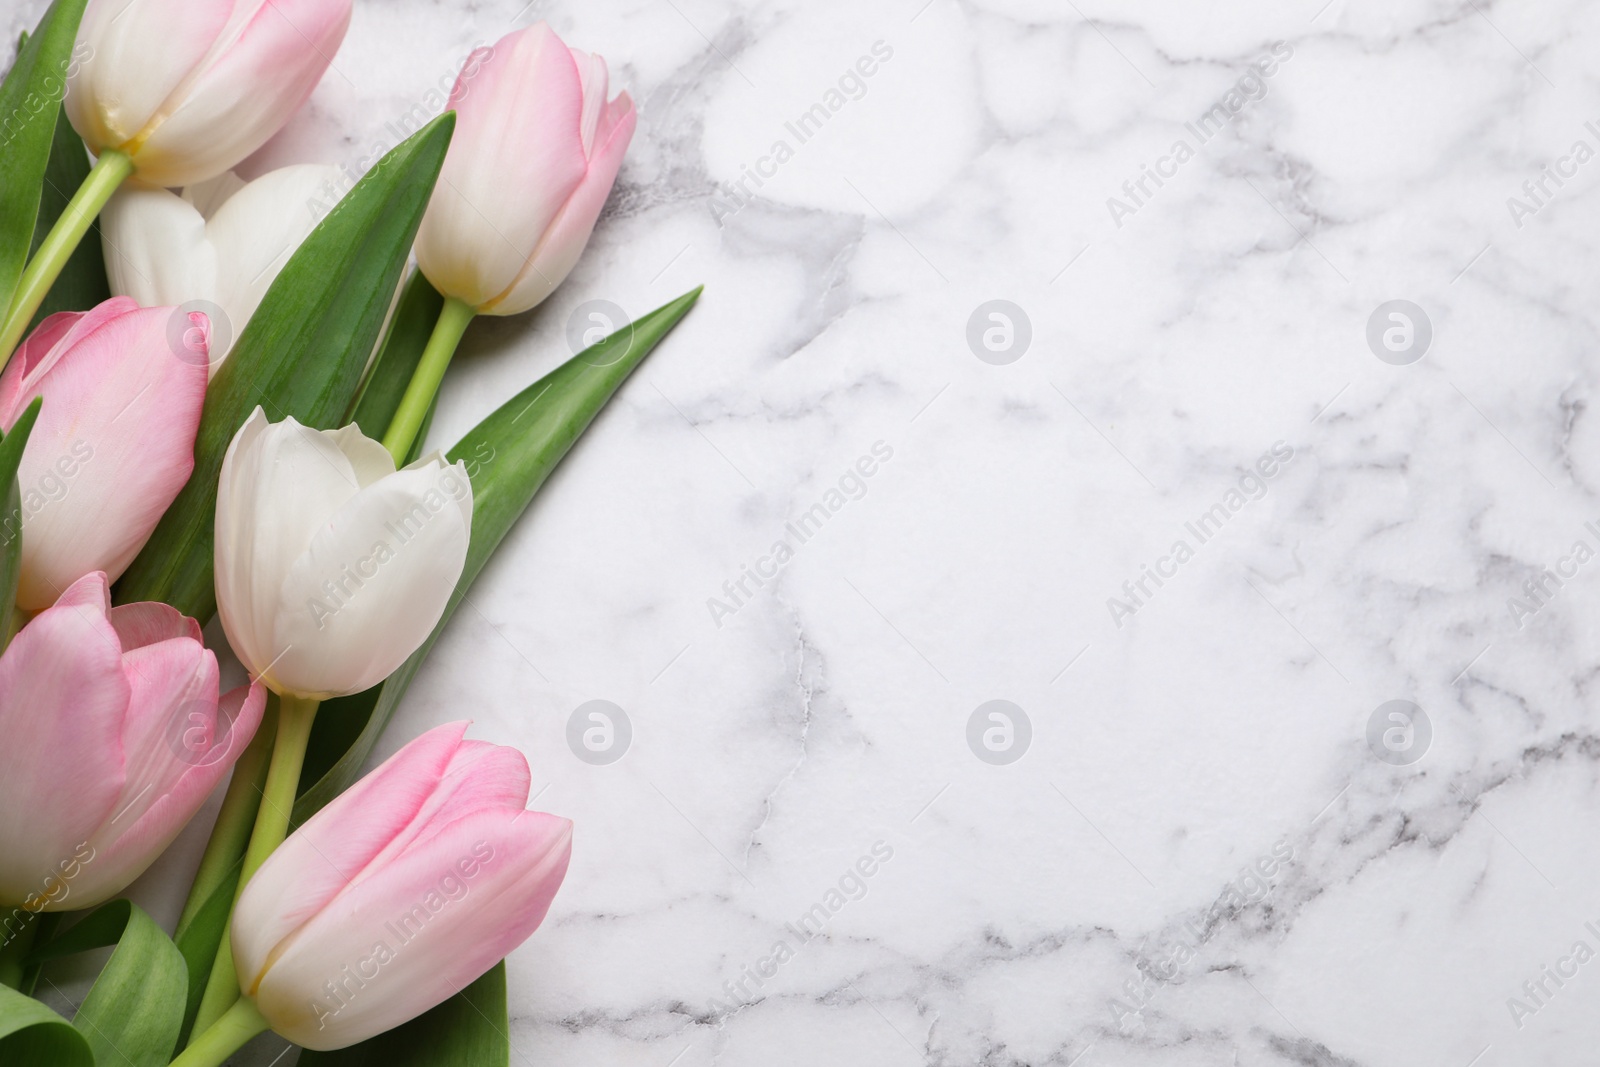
point(198, 743)
point(173, 684)
point(418, 930)
point(133, 55)
point(593, 76)
point(263, 67)
point(115, 440)
point(370, 460)
point(516, 157)
point(62, 698)
point(156, 249)
point(256, 231)
point(47, 344)
point(259, 536)
point(480, 776)
point(147, 622)
point(373, 582)
point(564, 242)
point(334, 846)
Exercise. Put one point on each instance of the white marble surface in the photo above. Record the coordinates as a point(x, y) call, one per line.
point(1091, 903)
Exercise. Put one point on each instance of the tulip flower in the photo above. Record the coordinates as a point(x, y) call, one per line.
point(115, 735)
point(122, 388)
point(221, 242)
point(332, 567)
point(536, 149)
point(399, 893)
point(175, 92)
point(185, 89)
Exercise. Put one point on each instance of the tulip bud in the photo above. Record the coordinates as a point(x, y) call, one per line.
point(399, 893)
point(115, 438)
point(115, 735)
point(188, 88)
point(332, 567)
point(535, 152)
point(220, 243)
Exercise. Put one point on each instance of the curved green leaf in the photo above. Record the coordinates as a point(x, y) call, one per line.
point(468, 1030)
point(508, 456)
point(30, 100)
point(301, 354)
point(31, 1033)
point(132, 1014)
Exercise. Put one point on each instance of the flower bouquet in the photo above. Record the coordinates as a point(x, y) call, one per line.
point(214, 400)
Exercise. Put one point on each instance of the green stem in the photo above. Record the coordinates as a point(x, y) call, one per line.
point(236, 818)
point(453, 320)
point(109, 172)
point(225, 1036)
point(295, 716)
point(14, 953)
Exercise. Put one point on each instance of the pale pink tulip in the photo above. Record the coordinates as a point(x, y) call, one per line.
point(536, 150)
point(401, 891)
point(114, 736)
point(122, 388)
point(188, 88)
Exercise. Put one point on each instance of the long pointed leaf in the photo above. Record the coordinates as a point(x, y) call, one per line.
point(30, 99)
point(301, 355)
point(508, 455)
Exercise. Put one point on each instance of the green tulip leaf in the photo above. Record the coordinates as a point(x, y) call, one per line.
point(82, 282)
point(11, 517)
point(508, 457)
point(132, 1014)
point(470, 1029)
point(31, 1033)
point(30, 100)
point(301, 355)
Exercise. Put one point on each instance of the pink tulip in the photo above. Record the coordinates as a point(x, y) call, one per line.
point(114, 442)
point(401, 891)
point(114, 737)
point(188, 88)
point(535, 153)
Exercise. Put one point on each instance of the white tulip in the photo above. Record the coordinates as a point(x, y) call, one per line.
point(222, 241)
point(332, 567)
